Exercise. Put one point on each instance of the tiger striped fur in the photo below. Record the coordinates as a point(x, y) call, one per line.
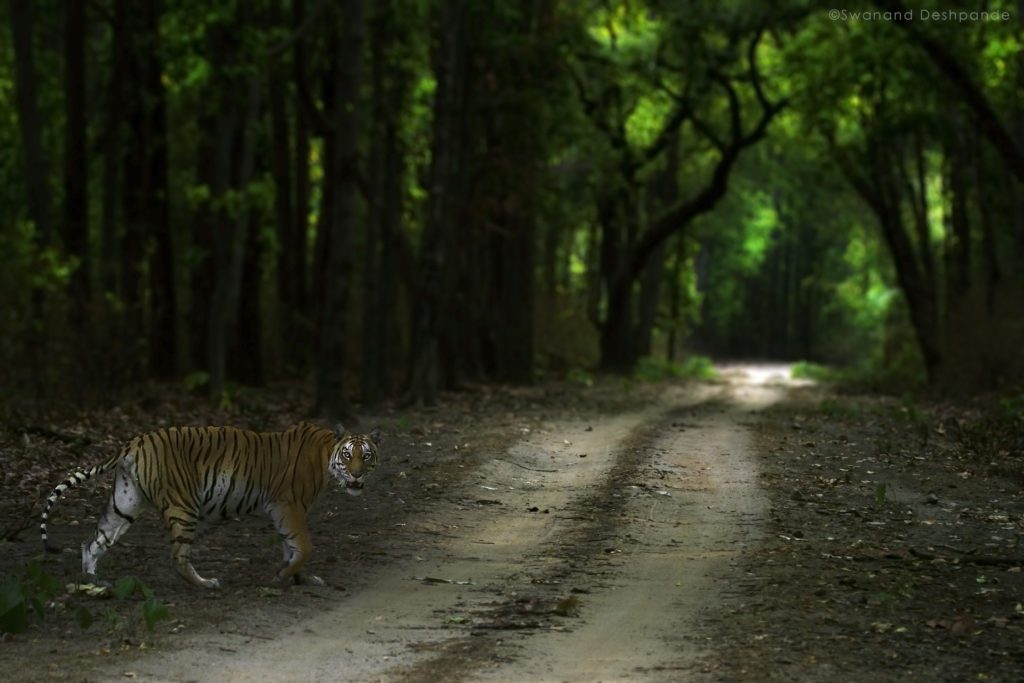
point(195, 475)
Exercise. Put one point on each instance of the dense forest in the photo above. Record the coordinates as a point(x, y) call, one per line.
point(394, 198)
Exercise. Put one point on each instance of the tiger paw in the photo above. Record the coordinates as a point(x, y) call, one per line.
point(96, 581)
point(308, 580)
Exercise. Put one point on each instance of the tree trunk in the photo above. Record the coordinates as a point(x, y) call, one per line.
point(649, 299)
point(331, 400)
point(163, 299)
point(112, 154)
point(76, 186)
point(328, 190)
point(389, 83)
point(231, 247)
point(298, 248)
point(245, 363)
point(661, 194)
point(676, 299)
point(511, 309)
point(958, 244)
point(289, 273)
point(435, 266)
point(29, 120)
point(144, 194)
point(618, 350)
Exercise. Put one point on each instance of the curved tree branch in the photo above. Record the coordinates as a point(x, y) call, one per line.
point(985, 115)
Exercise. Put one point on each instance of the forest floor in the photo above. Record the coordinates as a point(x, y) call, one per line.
point(748, 529)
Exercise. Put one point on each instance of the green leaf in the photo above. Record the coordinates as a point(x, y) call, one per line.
point(48, 586)
point(14, 619)
point(152, 612)
point(38, 606)
point(124, 587)
point(11, 595)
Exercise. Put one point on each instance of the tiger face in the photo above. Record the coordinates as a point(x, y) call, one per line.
point(353, 458)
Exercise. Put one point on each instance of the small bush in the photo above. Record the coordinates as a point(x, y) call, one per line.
point(806, 370)
point(652, 369)
point(699, 367)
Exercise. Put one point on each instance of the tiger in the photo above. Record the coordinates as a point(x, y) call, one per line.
point(195, 476)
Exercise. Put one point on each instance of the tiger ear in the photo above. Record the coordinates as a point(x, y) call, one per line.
point(339, 431)
point(375, 436)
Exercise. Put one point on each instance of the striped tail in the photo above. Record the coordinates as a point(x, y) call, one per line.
point(73, 479)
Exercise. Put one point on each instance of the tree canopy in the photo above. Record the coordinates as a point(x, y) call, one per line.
point(396, 198)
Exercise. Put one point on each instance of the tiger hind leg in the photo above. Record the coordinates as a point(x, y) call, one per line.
point(181, 527)
point(125, 504)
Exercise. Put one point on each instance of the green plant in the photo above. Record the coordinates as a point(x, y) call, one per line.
point(152, 609)
point(880, 491)
point(1013, 409)
point(699, 367)
point(28, 590)
point(806, 370)
point(653, 369)
point(195, 381)
point(580, 377)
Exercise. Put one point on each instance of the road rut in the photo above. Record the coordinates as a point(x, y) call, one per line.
point(590, 550)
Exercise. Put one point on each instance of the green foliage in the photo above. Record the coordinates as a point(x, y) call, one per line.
point(566, 105)
point(195, 381)
point(579, 377)
point(880, 494)
point(152, 609)
point(699, 367)
point(653, 369)
point(1012, 408)
point(30, 589)
point(807, 370)
point(22, 593)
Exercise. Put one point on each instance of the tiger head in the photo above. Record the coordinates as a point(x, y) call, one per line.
point(353, 458)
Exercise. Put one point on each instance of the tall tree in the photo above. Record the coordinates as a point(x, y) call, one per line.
point(145, 195)
point(341, 172)
point(29, 120)
point(76, 185)
point(112, 136)
point(435, 272)
point(626, 246)
point(390, 81)
point(231, 245)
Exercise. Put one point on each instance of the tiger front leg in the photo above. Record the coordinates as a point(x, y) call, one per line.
point(296, 547)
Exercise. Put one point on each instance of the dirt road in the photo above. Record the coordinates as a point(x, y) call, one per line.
point(587, 551)
point(741, 530)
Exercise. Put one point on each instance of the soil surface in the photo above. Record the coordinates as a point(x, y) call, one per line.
point(752, 528)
